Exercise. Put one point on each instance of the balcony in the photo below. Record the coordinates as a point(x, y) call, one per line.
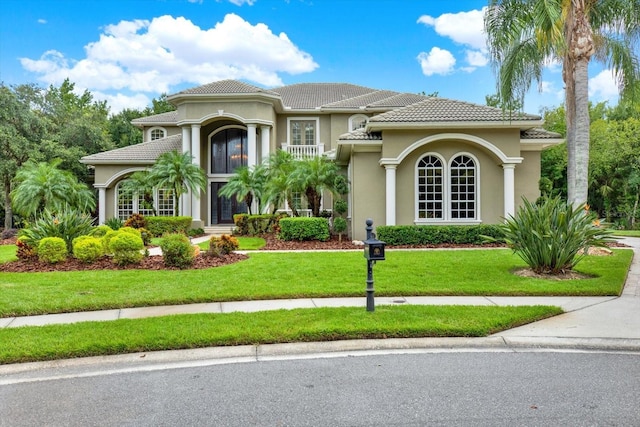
point(303, 151)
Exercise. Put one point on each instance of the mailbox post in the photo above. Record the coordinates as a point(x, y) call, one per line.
point(373, 251)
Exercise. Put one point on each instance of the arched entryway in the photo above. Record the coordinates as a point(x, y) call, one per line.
point(228, 151)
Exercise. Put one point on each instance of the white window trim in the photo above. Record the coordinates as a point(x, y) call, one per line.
point(357, 117)
point(446, 178)
point(135, 200)
point(151, 129)
point(306, 119)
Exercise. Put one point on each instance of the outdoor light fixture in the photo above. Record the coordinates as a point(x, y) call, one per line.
point(373, 251)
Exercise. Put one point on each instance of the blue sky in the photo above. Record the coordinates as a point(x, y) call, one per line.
point(130, 51)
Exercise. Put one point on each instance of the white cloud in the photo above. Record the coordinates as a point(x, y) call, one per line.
point(42, 21)
point(466, 28)
point(152, 56)
point(437, 61)
point(241, 2)
point(603, 87)
point(119, 101)
point(476, 58)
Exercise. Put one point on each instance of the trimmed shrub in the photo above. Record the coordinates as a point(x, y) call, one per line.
point(437, 234)
point(255, 225)
point(52, 250)
point(126, 247)
point(131, 230)
point(160, 225)
point(339, 226)
point(242, 224)
point(223, 245)
point(554, 236)
point(24, 250)
point(100, 230)
point(195, 232)
point(136, 220)
point(87, 248)
point(177, 250)
point(302, 228)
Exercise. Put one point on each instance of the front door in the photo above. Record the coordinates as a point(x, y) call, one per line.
point(223, 209)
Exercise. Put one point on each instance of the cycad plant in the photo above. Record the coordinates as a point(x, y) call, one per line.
point(553, 236)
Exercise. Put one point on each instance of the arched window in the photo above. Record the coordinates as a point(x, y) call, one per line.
point(157, 133)
point(357, 121)
point(430, 197)
point(463, 188)
point(447, 194)
point(228, 150)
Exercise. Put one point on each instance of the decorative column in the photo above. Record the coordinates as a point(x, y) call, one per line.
point(102, 205)
point(391, 193)
point(265, 141)
point(185, 203)
point(509, 189)
point(252, 154)
point(195, 152)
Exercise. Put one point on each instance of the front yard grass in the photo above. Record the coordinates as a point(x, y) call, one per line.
point(26, 344)
point(303, 274)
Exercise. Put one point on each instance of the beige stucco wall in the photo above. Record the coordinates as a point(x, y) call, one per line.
point(527, 176)
point(249, 110)
point(368, 199)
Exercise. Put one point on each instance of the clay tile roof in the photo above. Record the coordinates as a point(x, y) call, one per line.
point(399, 100)
point(146, 152)
point(362, 100)
point(170, 117)
point(316, 95)
point(539, 133)
point(222, 87)
point(447, 110)
point(360, 135)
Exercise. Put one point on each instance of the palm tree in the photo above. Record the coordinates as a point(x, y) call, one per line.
point(43, 186)
point(246, 184)
point(315, 175)
point(141, 182)
point(175, 171)
point(524, 36)
point(278, 187)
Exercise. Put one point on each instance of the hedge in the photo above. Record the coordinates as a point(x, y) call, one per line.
point(437, 234)
point(159, 225)
point(255, 225)
point(303, 228)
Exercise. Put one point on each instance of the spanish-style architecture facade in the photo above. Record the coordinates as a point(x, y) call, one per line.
point(409, 159)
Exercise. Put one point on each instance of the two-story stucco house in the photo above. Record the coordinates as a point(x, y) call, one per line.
point(409, 159)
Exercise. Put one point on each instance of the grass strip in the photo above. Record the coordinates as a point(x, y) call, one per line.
point(7, 253)
point(26, 344)
point(303, 275)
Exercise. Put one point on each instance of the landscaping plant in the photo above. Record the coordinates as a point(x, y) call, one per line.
point(87, 248)
point(52, 250)
point(177, 250)
point(126, 247)
point(554, 236)
point(66, 224)
point(223, 245)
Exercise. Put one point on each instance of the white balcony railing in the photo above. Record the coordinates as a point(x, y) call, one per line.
point(303, 151)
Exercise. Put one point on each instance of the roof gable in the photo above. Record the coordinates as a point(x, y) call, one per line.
point(223, 87)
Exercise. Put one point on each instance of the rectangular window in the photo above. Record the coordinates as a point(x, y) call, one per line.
point(165, 202)
point(303, 132)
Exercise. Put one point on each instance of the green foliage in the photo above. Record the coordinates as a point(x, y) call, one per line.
point(100, 230)
point(241, 222)
point(339, 226)
point(177, 251)
point(223, 245)
point(553, 237)
point(255, 225)
point(340, 206)
point(159, 225)
point(66, 224)
point(176, 171)
point(43, 185)
point(131, 230)
point(145, 235)
point(437, 234)
point(87, 248)
point(314, 176)
point(52, 250)
point(195, 232)
point(246, 184)
point(126, 247)
point(136, 220)
point(114, 223)
point(302, 228)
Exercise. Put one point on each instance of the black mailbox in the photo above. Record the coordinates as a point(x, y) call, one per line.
point(374, 249)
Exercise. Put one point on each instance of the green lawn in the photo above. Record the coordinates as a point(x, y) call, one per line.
point(246, 243)
point(27, 344)
point(303, 274)
point(627, 233)
point(7, 253)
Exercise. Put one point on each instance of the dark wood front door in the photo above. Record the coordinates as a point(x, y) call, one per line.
point(223, 209)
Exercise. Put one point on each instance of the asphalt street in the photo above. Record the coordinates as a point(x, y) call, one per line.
point(480, 388)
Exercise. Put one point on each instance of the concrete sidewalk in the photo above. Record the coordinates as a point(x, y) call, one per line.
point(589, 322)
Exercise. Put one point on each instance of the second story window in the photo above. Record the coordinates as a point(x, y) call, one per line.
point(358, 121)
point(157, 133)
point(303, 132)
